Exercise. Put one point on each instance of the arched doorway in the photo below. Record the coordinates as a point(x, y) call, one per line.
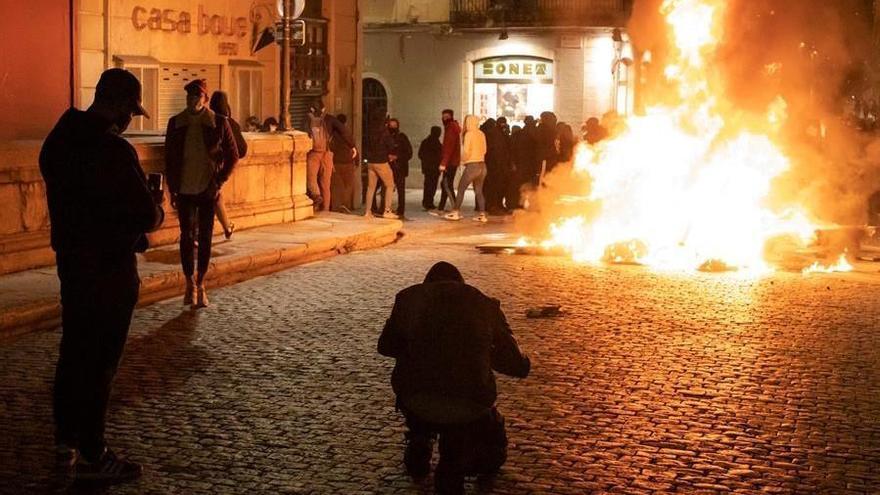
point(375, 101)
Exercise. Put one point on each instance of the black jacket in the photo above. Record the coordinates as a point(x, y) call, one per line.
point(99, 204)
point(402, 148)
point(447, 352)
point(219, 142)
point(378, 143)
point(524, 154)
point(341, 144)
point(430, 153)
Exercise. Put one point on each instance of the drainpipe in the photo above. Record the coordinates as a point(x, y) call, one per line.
point(284, 120)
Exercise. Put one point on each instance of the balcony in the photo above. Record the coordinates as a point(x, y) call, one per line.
point(538, 13)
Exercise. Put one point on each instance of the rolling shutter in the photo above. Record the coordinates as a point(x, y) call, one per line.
point(172, 79)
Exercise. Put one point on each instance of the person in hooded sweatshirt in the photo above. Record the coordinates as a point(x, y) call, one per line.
point(450, 159)
point(548, 154)
point(430, 154)
point(443, 377)
point(100, 208)
point(377, 153)
point(473, 156)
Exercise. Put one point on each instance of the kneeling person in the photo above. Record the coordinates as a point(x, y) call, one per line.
point(443, 378)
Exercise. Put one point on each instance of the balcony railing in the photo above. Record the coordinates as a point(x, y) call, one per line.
point(526, 13)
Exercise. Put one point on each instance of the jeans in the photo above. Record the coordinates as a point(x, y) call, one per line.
point(400, 185)
point(193, 208)
point(429, 189)
point(447, 187)
point(342, 186)
point(376, 172)
point(319, 169)
point(97, 300)
point(479, 447)
point(473, 173)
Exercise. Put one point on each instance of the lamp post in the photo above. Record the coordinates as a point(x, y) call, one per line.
point(286, 12)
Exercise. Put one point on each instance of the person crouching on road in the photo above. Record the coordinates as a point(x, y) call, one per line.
point(200, 154)
point(443, 377)
point(473, 156)
point(220, 105)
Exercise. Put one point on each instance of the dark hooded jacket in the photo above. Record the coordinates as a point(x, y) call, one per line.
point(524, 152)
point(451, 144)
point(378, 143)
point(547, 141)
point(219, 143)
point(402, 149)
point(431, 151)
point(446, 354)
point(99, 204)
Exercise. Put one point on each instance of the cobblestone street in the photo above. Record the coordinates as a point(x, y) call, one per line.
point(650, 383)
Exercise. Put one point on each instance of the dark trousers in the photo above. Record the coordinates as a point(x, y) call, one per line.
point(196, 210)
point(479, 447)
point(400, 186)
point(447, 187)
point(97, 301)
point(429, 189)
point(342, 187)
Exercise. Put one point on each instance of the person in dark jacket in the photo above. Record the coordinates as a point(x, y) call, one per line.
point(100, 208)
point(401, 154)
point(220, 105)
point(565, 143)
point(321, 127)
point(377, 154)
point(443, 377)
point(548, 155)
point(200, 153)
point(497, 165)
point(342, 182)
point(430, 154)
point(451, 158)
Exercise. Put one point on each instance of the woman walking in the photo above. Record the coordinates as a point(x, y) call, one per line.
point(473, 156)
point(220, 105)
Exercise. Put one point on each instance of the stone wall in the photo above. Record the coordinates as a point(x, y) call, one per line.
point(267, 187)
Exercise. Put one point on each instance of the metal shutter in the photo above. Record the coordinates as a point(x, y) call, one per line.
point(172, 79)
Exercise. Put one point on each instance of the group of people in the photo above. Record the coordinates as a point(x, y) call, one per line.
point(502, 163)
point(102, 205)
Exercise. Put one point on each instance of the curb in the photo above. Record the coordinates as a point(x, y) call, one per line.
point(46, 314)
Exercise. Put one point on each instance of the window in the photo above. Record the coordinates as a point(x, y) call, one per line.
point(247, 97)
point(149, 78)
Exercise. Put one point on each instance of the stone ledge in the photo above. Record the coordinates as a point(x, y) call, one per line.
point(45, 313)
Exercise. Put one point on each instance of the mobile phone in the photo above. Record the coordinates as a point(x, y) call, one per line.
point(154, 182)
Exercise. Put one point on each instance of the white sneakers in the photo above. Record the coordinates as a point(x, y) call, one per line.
point(391, 215)
point(455, 215)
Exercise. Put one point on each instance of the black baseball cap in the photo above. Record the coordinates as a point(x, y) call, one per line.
point(121, 85)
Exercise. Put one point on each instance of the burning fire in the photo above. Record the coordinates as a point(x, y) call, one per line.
point(684, 186)
point(842, 265)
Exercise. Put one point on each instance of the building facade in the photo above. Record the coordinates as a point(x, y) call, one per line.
point(496, 58)
point(55, 63)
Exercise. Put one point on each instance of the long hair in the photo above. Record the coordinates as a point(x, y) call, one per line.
point(220, 103)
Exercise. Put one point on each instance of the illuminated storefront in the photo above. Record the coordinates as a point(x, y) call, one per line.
point(512, 87)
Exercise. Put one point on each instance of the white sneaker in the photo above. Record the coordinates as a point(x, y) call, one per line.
point(481, 218)
point(436, 213)
point(453, 215)
point(390, 214)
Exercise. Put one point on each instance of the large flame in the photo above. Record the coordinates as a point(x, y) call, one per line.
point(684, 186)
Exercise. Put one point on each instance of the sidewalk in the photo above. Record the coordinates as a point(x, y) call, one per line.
point(29, 300)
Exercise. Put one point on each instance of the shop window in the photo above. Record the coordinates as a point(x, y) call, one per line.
point(512, 87)
point(247, 91)
point(146, 69)
point(172, 79)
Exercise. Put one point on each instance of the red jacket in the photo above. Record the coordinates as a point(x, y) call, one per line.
point(219, 141)
point(451, 145)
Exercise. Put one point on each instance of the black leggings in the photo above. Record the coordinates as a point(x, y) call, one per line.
point(193, 208)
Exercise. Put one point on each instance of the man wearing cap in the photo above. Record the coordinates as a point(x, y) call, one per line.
point(100, 207)
point(200, 153)
point(323, 128)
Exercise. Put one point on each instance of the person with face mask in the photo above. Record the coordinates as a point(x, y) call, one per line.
point(400, 154)
point(100, 207)
point(450, 160)
point(430, 153)
point(473, 155)
point(200, 153)
point(323, 128)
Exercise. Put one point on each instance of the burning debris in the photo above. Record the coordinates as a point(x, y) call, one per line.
point(687, 185)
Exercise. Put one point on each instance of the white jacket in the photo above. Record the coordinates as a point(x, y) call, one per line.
point(473, 148)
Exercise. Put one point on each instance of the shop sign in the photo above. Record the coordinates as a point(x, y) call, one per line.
point(170, 20)
point(514, 68)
